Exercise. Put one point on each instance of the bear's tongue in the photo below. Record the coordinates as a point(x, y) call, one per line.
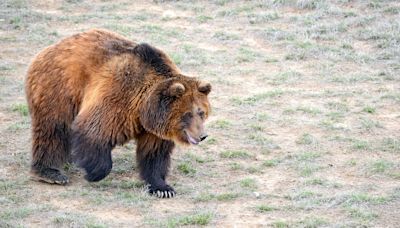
point(192, 140)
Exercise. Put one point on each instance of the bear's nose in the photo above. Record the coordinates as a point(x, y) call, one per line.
point(203, 137)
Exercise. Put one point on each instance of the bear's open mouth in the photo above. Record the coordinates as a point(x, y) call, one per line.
point(190, 139)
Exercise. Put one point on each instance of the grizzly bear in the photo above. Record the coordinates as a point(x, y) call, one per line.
point(95, 90)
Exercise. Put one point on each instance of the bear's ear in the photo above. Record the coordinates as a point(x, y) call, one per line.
point(204, 87)
point(175, 90)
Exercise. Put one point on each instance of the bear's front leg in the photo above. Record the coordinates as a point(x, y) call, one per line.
point(153, 157)
point(91, 154)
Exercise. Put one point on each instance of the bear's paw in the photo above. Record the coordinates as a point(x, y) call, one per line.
point(162, 192)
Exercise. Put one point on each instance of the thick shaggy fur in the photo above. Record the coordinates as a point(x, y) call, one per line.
point(95, 90)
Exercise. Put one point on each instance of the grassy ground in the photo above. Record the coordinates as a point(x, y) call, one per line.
point(305, 130)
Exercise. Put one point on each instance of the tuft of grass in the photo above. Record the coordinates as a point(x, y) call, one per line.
point(197, 219)
point(369, 109)
point(234, 154)
point(312, 222)
point(177, 58)
point(196, 158)
point(226, 196)
point(306, 139)
point(361, 145)
point(392, 10)
point(265, 208)
point(316, 181)
point(235, 166)
point(204, 18)
point(306, 169)
point(280, 224)
point(381, 166)
point(21, 109)
point(257, 98)
point(285, 77)
point(16, 213)
point(248, 183)
point(310, 4)
point(131, 184)
point(224, 36)
point(253, 169)
point(362, 214)
point(186, 168)
point(256, 127)
point(204, 197)
point(14, 127)
point(308, 110)
point(260, 139)
point(262, 117)
point(302, 195)
point(368, 124)
point(391, 145)
point(271, 163)
point(259, 18)
point(221, 124)
point(308, 156)
point(247, 55)
point(359, 198)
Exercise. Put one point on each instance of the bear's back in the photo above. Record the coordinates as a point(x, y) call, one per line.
point(62, 71)
point(81, 54)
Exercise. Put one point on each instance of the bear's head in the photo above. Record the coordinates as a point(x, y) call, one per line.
point(176, 110)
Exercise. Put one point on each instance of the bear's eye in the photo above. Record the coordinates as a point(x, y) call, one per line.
point(201, 114)
point(186, 118)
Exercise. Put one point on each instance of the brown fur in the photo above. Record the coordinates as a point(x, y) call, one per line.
point(95, 90)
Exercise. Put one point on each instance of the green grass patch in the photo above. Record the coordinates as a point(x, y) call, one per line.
point(21, 109)
point(16, 213)
point(362, 214)
point(224, 36)
point(271, 163)
point(248, 183)
point(369, 125)
point(285, 77)
point(360, 145)
point(257, 98)
point(380, 166)
point(20, 125)
point(308, 110)
point(265, 208)
point(359, 198)
point(390, 145)
point(186, 168)
point(316, 182)
point(312, 222)
point(234, 154)
point(204, 18)
point(196, 219)
point(235, 166)
point(221, 124)
point(204, 197)
point(227, 196)
point(369, 109)
point(280, 224)
point(306, 169)
point(259, 139)
point(260, 18)
point(306, 139)
point(308, 156)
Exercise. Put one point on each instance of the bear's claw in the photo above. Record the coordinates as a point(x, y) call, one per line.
point(165, 192)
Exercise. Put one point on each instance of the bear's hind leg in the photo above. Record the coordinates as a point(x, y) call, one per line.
point(50, 150)
point(153, 156)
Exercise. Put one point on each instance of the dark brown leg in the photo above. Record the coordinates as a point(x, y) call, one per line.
point(153, 157)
